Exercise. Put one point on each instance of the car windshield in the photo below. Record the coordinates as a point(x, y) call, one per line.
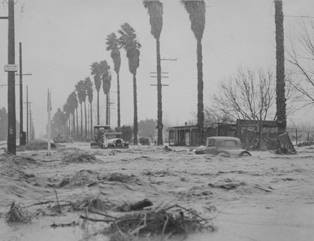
point(230, 144)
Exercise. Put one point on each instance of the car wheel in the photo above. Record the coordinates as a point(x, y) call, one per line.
point(245, 153)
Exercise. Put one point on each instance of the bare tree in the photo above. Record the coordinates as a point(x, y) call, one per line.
point(301, 59)
point(247, 95)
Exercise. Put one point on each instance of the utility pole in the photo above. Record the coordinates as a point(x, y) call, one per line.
point(22, 134)
point(280, 69)
point(11, 82)
point(27, 112)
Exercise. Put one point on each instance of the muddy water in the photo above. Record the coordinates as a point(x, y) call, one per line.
point(41, 230)
point(285, 223)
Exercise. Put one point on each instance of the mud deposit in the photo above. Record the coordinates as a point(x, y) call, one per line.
point(264, 197)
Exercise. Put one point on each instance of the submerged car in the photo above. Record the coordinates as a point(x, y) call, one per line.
point(224, 146)
point(105, 137)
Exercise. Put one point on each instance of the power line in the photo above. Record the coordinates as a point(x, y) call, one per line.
point(298, 16)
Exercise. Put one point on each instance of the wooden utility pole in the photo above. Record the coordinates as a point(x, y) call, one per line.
point(22, 135)
point(11, 82)
point(159, 97)
point(27, 118)
point(280, 68)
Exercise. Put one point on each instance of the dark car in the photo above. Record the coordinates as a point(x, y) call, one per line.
point(224, 146)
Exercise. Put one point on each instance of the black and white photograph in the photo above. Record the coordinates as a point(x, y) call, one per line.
point(156, 120)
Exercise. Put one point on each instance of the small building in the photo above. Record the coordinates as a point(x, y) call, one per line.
point(247, 130)
point(188, 135)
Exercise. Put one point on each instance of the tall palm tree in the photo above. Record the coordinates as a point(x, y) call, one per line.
point(67, 111)
point(155, 11)
point(89, 87)
point(106, 88)
point(84, 86)
point(196, 10)
point(113, 46)
point(74, 105)
point(81, 94)
point(95, 69)
point(132, 47)
point(281, 115)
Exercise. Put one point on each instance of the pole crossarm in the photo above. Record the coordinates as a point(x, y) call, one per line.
point(4, 17)
point(28, 74)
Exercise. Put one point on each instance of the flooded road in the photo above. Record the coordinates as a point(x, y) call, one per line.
point(264, 197)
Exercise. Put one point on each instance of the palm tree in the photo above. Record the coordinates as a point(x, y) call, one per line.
point(89, 87)
point(129, 42)
point(196, 11)
point(95, 69)
point(113, 46)
point(81, 94)
point(84, 86)
point(155, 11)
point(74, 104)
point(67, 111)
point(106, 88)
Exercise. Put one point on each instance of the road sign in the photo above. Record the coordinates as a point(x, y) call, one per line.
point(10, 68)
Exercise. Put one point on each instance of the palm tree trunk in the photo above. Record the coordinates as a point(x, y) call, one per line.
point(69, 125)
point(77, 124)
point(97, 107)
point(73, 124)
point(85, 119)
point(159, 96)
point(107, 109)
point(81, 120)
point(118, 101)
point(135, 124)
point(200, 87)
point(280, 72)
point(91, 120)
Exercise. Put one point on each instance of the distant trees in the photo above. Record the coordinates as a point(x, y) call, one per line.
point(147, 128)
point(129, 42)
point(59, 123)
point(196, 10)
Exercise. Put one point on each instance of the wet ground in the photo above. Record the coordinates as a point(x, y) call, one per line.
point(264, 197)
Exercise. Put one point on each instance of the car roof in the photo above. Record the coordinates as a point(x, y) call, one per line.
point(223, 138)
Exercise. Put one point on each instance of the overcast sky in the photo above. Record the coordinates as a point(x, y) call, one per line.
point(61, 38)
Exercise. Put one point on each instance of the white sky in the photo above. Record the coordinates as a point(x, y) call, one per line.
point(61, 38)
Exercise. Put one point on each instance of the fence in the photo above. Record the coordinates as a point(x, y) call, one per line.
point(299, 135)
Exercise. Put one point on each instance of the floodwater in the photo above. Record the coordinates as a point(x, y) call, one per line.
point(288, 223)
point(276, 202)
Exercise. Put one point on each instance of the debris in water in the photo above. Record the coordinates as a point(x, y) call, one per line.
point(169, 221)
point(17, 215)
point(135, 206)
point(79, 157)
point(227, 184)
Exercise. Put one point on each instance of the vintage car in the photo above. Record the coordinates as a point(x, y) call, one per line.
point(104, 137)
point(223, 146)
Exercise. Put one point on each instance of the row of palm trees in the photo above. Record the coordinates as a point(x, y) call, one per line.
point(128, 41)
point(101, 74)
